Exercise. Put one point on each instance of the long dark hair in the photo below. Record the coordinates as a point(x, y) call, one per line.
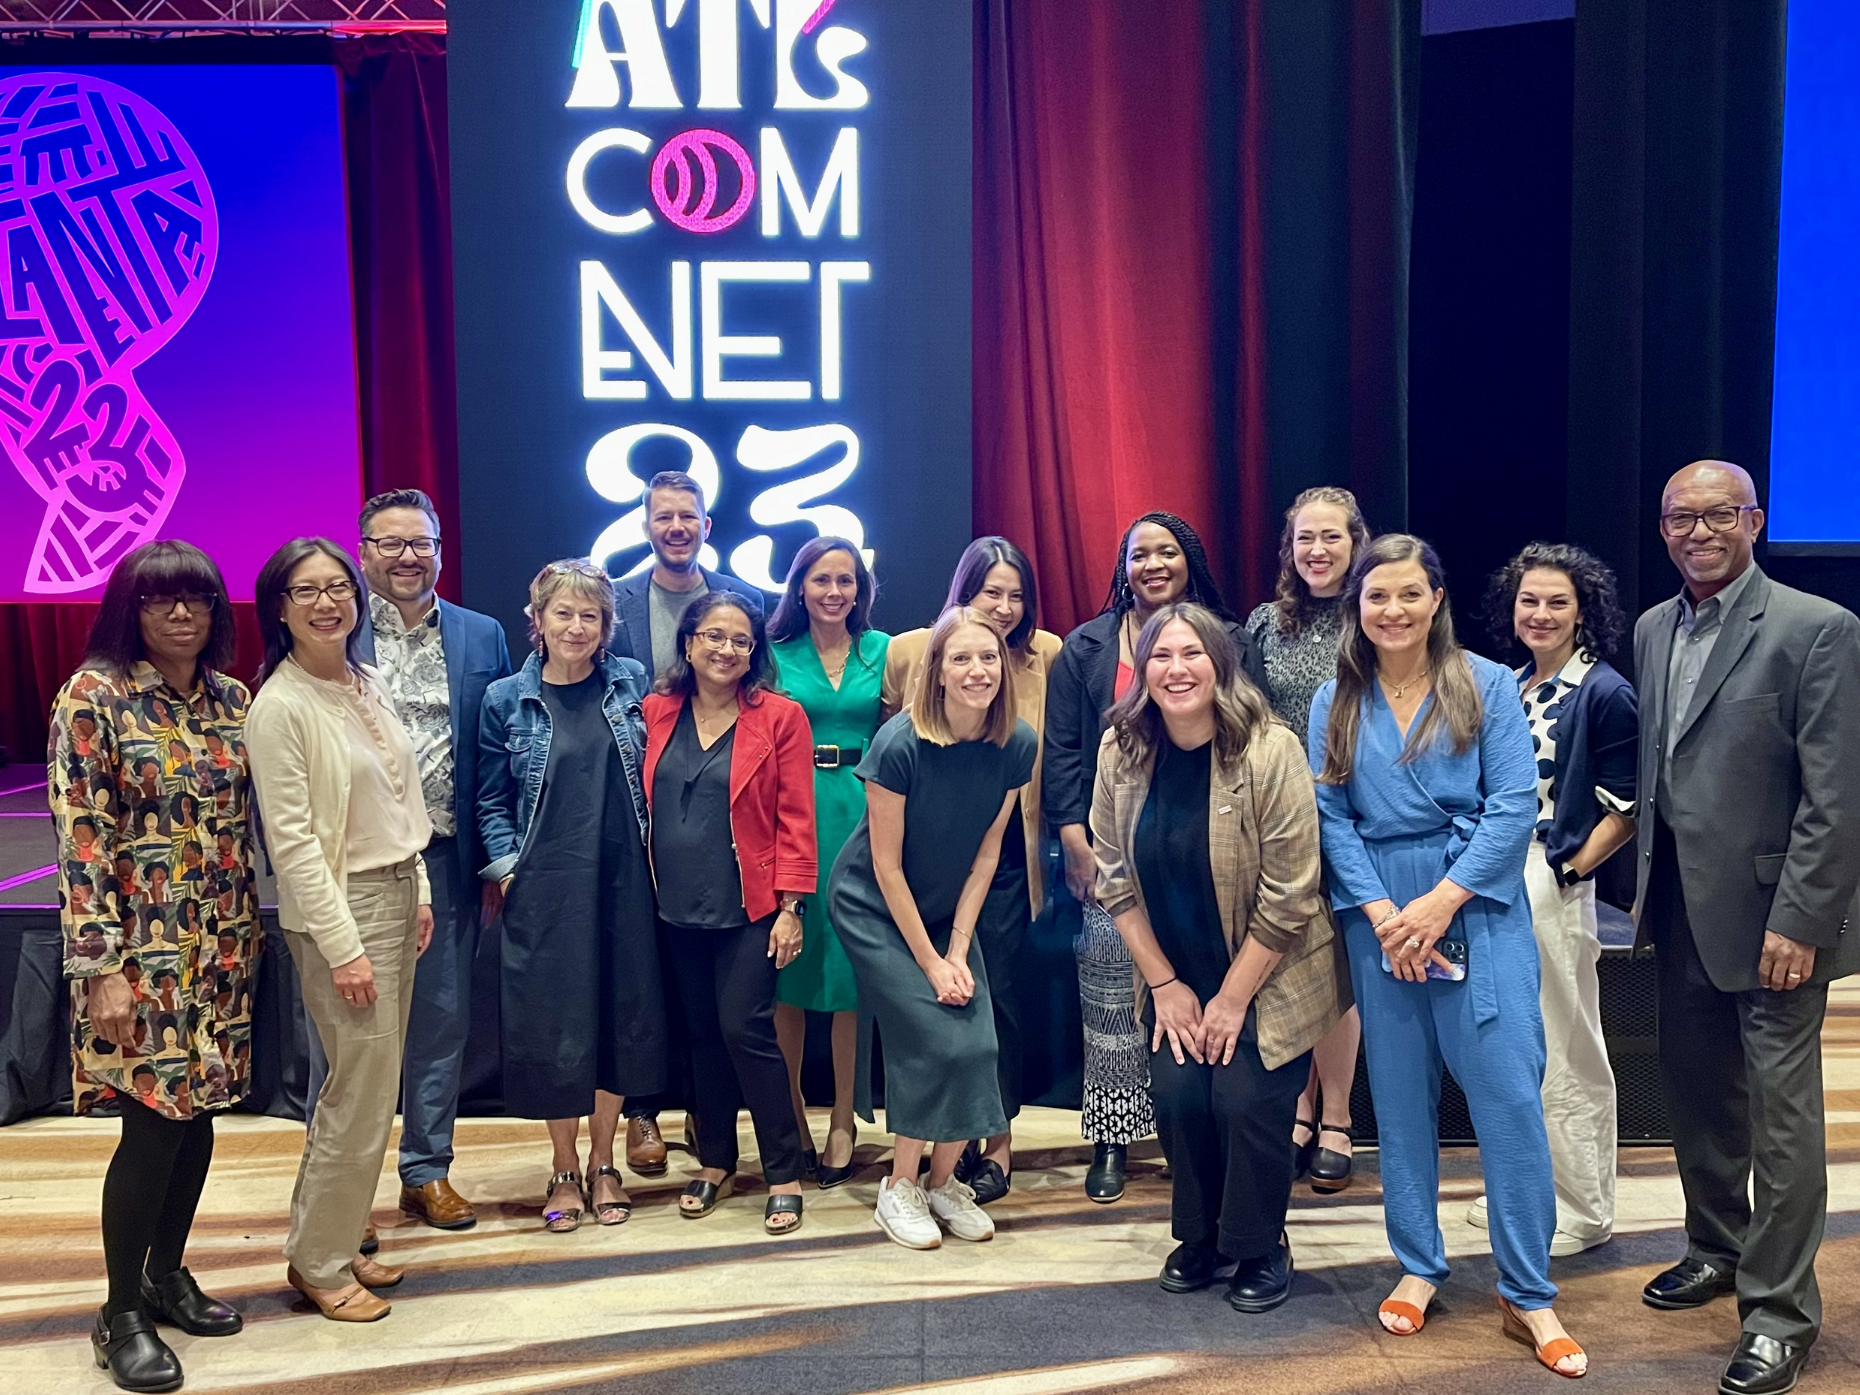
point(1203, 590)
point(1456, 709)
point(1240, 709)
point(983, 556)
point(1603, 622)
point(680, 681)
point(1293, 599)
point(268, 595)
point(790, 618)
point(157, 569)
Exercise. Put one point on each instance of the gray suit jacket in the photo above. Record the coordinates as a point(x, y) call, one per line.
point(1765, 780)
point(633, 616)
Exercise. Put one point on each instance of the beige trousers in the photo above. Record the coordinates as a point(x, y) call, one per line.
point(348, 1136)
point(1579, 1084)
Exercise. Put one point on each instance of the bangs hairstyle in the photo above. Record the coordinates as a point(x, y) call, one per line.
point(1202, 588)
point(1293, 599)
point(1455, 711)
point(1603, 623)
point(1240, 709)
point(579, 577)
point(930, 709)
point(268, 595)
point(790, 618)
point(157, 569)
point(681, 681)
point(980, 558)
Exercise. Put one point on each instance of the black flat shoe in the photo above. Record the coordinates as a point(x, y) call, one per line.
point(1189, 1268)
point(1762, 1366)
point(1260, 1285)
point(1302, 1153)
point(1691, 1283)
point(178, 1301)
point(1104, 1181)
point(989, 1182)
point(1330, 1170)
point(126, 1346)
point(829, 1177)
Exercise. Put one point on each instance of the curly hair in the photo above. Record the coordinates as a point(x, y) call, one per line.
point(1202, 589)
point(1603, 621)
point(1293, 598)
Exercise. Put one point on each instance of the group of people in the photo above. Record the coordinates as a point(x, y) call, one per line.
point(1329, 824)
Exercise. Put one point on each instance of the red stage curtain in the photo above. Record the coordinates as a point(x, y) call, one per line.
point(394, 121)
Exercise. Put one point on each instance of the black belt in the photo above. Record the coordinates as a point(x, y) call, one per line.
point(833, 757)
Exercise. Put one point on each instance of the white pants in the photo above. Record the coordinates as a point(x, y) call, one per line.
point(1579, 1086)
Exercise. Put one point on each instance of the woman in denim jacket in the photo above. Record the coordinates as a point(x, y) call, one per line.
point(563, 815)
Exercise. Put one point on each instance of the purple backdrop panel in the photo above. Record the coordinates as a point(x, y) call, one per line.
point(177, 345)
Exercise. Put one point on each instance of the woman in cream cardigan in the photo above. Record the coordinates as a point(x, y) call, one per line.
point(344, 822)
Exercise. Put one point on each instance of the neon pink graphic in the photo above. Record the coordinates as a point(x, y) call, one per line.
point(688, 199)
point(111, 236)
point(813, 20)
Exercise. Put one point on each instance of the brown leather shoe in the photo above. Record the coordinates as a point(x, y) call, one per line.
point(370, 1240)
point(372, 1273)
point(351, 1304)
point(645, 1147)
point(439, 1206)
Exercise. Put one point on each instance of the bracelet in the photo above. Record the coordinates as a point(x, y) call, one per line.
point(1386, 919)
point(1165, 983)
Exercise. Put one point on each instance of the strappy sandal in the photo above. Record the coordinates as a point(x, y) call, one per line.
point(707, 1195)
point(1512, 1323)
point(561, 1220)
point(610, 1212)
point(782, 1204)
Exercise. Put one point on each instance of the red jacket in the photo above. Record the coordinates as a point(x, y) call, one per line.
point(771, 794)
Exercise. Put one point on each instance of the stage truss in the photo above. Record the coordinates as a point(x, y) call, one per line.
point(155, 18)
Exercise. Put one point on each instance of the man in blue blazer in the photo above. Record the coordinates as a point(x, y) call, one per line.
point(436, 660)
point(648, 606)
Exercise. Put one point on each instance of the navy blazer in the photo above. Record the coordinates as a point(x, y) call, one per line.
point(476, 657)
point(1597, 736)
point(633, 611)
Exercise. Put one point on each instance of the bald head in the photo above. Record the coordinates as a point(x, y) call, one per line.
point(1710, 521)
point(1715, 474)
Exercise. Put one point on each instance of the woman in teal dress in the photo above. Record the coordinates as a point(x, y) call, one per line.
point(833, 663)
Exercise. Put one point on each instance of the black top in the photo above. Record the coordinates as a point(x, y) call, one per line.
point(1174, 871)
point(693, 849)
point(585, 773)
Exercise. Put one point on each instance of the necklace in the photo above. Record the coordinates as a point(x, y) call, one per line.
point(1399, 690)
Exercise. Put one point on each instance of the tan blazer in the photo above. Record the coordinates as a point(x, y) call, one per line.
point(904, 670)
point(1263, 847)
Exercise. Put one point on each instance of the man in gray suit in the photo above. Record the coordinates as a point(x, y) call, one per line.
point(1749, 860)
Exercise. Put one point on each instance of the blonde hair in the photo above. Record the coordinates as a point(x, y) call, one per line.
point(1240, 709)
point(579, 577)
point(929, 708)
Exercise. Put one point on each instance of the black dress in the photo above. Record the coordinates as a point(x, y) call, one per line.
point(582, 1004)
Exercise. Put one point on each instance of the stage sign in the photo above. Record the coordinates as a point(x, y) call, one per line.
point(729, 237)
point(177, 354)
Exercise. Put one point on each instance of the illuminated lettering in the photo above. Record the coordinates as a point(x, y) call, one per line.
point(718, 345)
point(832, 274)
point(611, 475)
point(834, 46)
point(717, 47)
point(598, 288)
point(779, 181)
point(616, 138)
point(762, 449)
point(641, 49)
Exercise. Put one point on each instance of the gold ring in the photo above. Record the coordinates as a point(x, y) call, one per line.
point(1412, 943)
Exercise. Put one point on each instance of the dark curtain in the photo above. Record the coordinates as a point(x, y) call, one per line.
point(1191, 237)
point(394, 130)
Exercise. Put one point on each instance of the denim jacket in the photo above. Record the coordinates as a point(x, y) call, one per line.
point(513, 752)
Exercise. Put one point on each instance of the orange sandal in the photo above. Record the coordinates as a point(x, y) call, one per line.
point(1514, 1326)
point(1396, 1308)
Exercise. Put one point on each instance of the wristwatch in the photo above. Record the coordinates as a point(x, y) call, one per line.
point(794, 905)
point(1568, 876)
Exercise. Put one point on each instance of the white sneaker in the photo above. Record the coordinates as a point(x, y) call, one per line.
point(903, 1213)
point(953, 1204)
point(1563, 1244)
point(1475, 1214)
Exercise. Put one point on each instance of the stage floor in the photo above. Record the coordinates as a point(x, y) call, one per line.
point(1064, 1299)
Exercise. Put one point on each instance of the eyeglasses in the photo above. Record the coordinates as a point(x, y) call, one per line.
point(306, 595)
point(718, 640)
point(394, 547)
point(193, 602)
point(1719, 520)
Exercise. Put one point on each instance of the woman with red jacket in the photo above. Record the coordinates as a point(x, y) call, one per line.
point(730, 781)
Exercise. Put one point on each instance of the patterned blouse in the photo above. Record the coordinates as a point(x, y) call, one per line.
point(151, 800)
point(1543, 707)
point(1296, 668)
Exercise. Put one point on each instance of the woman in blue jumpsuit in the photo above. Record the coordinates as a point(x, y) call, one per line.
point(1426, 803)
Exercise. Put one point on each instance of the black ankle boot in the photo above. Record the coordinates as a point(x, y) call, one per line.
point(1105, 1180)
point(178, 1301)
point(136, 1358)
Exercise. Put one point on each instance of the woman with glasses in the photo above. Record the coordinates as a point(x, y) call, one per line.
point(344, 822)
point(562, 812)
point(730, 778)
point(153, 674)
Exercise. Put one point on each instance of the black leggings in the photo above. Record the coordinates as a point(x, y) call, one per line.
point(149, 1196)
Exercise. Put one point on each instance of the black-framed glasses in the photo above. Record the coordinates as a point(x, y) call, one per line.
point(1722, 519)
point(193, 602)
point(718, 640)
point(306, 594)
point(394, 547)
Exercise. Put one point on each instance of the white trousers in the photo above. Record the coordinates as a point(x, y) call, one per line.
point(1579, 1086)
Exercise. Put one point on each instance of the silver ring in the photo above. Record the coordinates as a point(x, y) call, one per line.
point(1412, 943)
point(1792, 975)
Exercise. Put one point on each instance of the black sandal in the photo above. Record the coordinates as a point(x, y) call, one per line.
point(782, 1204)
point(707, 1195)
point(561, 1220)
point(1330, 1170)
point(610, 1212)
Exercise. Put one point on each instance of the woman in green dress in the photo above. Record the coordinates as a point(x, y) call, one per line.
point(832, 662)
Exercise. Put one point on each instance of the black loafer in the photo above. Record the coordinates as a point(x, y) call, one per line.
point(988, 1182)
point(126, 1345)
point(1189, 1268)
point(1691, 1283)
point(178, 1301)
point(1104, 1181)
point(1260, 1285)
point(1762, 1366)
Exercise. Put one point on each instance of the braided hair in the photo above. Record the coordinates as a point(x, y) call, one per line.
point(1202, 588)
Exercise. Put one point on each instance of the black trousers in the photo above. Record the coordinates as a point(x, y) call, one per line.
point(726, 985)
point(150, 1193)
point(1742, 1075)
point(1224, 1130)
point(1000, 930)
